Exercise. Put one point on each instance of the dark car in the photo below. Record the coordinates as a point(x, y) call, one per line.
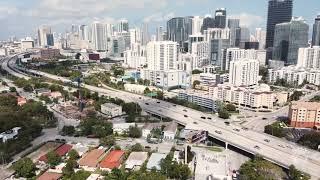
point(158, 102)
point(185, 116)
point(202, 117)
point(147, 103)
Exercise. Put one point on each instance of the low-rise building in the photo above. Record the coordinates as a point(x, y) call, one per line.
point(304, 114)
point(200, 98)
point(111, 109)
point(50, 176)
point(135, 160)
point(138, 89)
point(121, 128)
point(21, 101)
point(10, 134)
point(169, 132)
point(155, 160)
point(60, 151)
point(112, 160)
point(90, 160)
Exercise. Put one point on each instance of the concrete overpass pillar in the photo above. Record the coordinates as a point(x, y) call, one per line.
point(226, 145)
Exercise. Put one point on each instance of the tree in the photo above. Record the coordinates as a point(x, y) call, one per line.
point(311, 140)
point(68, 130)
point(146, 91)
point(275, 130)
point(73, 154)
point(53, 158)
point(77, 56)
point(295, 174)
point(296, 96)
point(28, 88)
point(25, 168)
point(68, 170)
point(195, 83)
point(137, 147)
point(223, 114)
point(131, 108)
point(108, 141)
point(134, 132)
point(4, 83)
point(231, 107)
point(13, 89)
point(80, 175)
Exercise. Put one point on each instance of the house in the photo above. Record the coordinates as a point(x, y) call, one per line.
point(43, 92)
point(112, 160)
point(58, 168)
point(154, 161)
point(50, 176)
point(135, 160)
point(80, 148)
point(21, 101)
point(61, 151)
point(10, 134)
point(55, 95)
point(111, 109)
point(169, 132)
point(90, 160)
point(121, 128)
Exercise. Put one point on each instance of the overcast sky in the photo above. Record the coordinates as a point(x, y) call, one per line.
point(22, 17)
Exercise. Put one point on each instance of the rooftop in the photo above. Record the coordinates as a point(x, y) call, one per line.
point(49, 176)
point(154, 160)
point(305, 105)
point(171, 127)
point(136, 159)
point(112, 160)
point(91, 159)
point(61, 151)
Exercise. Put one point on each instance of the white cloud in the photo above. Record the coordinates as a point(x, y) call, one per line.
point(249, 20)
point(159, 17)
point(6, 11)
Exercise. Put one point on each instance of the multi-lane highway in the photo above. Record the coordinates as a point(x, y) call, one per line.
point(274, 149)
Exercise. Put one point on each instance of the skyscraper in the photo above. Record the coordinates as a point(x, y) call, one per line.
point(197, 22)
point(123, 25)
point(84, 32)
point(261, 37)
point(145, 34)
point(316, 32)
point(233, 24)
point(159, 33)
point(179, 29)
point(244, 72)
point(221, 18)
point(208, 22)
point(98, 33)
point(45, 35)
point(279, 11)
point(288, 38)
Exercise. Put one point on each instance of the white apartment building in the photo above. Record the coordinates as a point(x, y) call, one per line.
point(98, 36)
point(197, 23)
point(135, 57)
point(27, 43)
point(162, 55)
point(244, 72)
point(254, 98)
point(295, 75)
point(167, 79)
point(200, 54)
point(201, 98)
point(234, 54)
point(309, 57)
point(216, 33)
point(135, 35)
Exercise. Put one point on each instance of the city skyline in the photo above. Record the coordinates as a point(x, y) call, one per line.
point(23, 18)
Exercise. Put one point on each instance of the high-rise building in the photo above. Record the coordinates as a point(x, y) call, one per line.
point(316, 32)
point(216, 33)
point(216, 48)
point(159, 33)
point(145, 34)
point(197, 22)
point(279, 11)
point(123, 25)
point(288, 38)
point(309, 57)
point(221, 18)
point(84, 32)
point(193, 39)
point(244, 72)
point(99, 38)
point(45, 35)
point(261, 37)
point(179, 29)
point(162, 55)
point(233, 25)
point(135, 35)
point(244, 34)
point(208, 22)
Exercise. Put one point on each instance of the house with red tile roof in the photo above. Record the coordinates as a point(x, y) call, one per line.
point(112, 160)
point(61, 151)
point(91, 159)
point(50, 176)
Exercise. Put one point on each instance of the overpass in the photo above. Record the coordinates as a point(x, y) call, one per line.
point(276, 150)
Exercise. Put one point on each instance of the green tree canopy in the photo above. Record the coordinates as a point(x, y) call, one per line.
point(53, 158)
point(25, 168)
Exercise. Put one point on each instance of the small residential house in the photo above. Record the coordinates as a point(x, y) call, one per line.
point(112, 110)
point(90, 160)
point(169, 132)
point(112, 160)
point(135, 160)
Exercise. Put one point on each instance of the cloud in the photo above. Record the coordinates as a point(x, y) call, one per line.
point(6, 11)
point(249, 20)
point(159, 17)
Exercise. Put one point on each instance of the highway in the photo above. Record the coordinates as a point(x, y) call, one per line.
point(277, 150)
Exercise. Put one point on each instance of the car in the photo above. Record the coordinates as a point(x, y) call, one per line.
point(264, 118)
point(244, 128)
point(209, 118)
point(218, 132)
point(158, 102)
point(256, 147)
point(185, 116)
point(227, 123)
point(195, 122)
point(147, 103)
point(238, 130)
point(185, 110)
point(280, 145)
point(202, 117)
point(267, 140)
point(139, 97)
point(174, 105)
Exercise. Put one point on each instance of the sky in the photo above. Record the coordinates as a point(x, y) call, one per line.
point(21, 18)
